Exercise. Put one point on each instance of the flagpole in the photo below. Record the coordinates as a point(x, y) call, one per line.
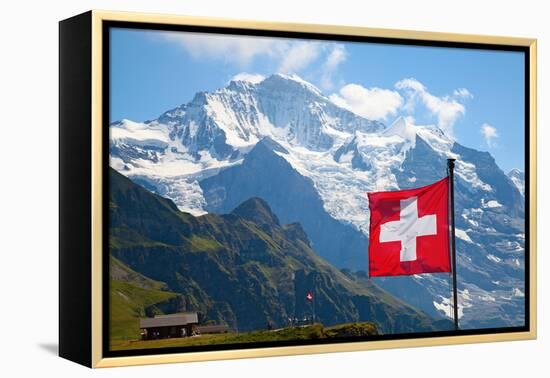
point(451, 166)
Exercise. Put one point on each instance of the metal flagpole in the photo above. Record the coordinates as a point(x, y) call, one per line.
point(451, 166)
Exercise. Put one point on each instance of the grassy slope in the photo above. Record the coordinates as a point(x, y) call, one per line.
point(128, 303)
point(312, 332)
point(121, 272)
point(130, 294)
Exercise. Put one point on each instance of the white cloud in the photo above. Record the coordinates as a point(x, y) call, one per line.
point(372, 103)
point(446, 109)
point(249, 77)
point(336, 56)
point(288, 56)
point(411, 83)
point(490, 133)
point(236, 49)
point(299, 56)
point(462, 93)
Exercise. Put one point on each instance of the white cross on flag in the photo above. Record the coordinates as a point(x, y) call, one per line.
point(409, 231)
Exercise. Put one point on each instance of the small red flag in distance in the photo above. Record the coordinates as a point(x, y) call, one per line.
point(309, 296)
point(409, 231)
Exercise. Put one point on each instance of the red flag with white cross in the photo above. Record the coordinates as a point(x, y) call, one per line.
point(409, 231)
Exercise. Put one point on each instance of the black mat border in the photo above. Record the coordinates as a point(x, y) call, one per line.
point(108, 25)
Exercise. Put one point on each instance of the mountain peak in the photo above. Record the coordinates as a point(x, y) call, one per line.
point(518, 178)
point(245, 77)
point(515, 172)
point(280, 79)
point(241, 85)
point(199, 99)
point(258, 211)
point(402, 128)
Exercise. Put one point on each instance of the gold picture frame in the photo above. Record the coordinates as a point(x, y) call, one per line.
point(82, 320)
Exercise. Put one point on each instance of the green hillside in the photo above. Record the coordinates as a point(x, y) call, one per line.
point(133, 296)
point(244, 269)
point(310, 332)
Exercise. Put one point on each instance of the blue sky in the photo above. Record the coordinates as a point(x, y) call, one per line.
point(477, 96)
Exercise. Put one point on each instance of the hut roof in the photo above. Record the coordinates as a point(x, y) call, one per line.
point(182, 318)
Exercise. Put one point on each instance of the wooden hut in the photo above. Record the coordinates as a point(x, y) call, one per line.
point(168, 326)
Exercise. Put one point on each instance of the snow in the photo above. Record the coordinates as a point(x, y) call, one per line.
point(232, 123)
point(461, 234)
point(518, 179)
point(193, 201)
point(402, 129)
point(517, 293)
point(472, 216)
point(342, 189)
point(436, 139)
point(493, 258)
point(249, 77)
point(510, 246)
point(164, 162)
point(487, 298)
point(445, 306)
point(382, 141)
point(346, 158)
point(301, 81)
point(139, 133)
point(491, 204)
point(467, 172)
point(117, 163)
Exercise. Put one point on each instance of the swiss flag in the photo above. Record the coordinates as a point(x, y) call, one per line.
point(409, 231)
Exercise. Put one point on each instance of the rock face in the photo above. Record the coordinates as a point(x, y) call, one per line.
point(518, 178)
point(244, 268)
point(292, 196)
point(242, 113)
point(282, 140)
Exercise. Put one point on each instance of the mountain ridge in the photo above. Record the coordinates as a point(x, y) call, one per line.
point(337, 157)
point(232, 271)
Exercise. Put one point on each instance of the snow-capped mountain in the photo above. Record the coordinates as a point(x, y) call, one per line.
point(518, 178)
point(283, 140)
point(241, 114)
